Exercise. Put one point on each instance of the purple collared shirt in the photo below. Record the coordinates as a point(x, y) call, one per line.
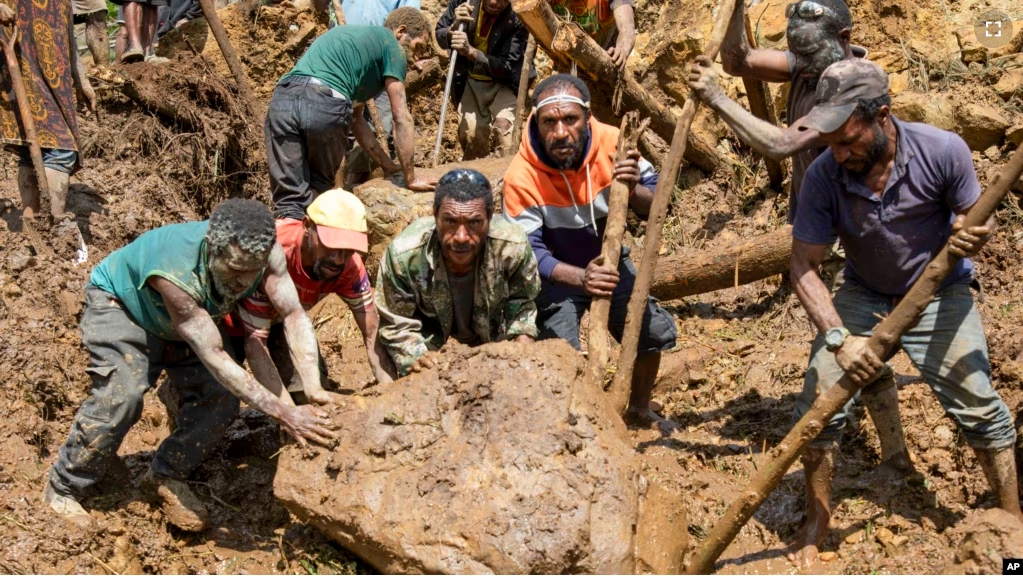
point(889, 240)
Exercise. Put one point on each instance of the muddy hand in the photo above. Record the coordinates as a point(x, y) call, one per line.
point(319, 396)
point(463, 13)
point(620, 52)
point(703, 79)
point(598, 279)
point(307, 423)
point(425, 362)
point(858, 360)
point(966, 242)
point(7, 15)
point(627, 170)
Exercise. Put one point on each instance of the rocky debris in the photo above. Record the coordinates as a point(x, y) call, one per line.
point(1015, 134)
point(933, 109)
point(987, 539)
point(1010, 84)
point(770, 22)
point(503, 459)
point(981, 125)
point(390, 207)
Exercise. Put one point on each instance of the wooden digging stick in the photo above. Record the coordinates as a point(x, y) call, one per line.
point(520, 103)
point(618, 208)
point(21, 98)
point(231, 57)
point(761, 106)
point(622, 383)
point(883, 340)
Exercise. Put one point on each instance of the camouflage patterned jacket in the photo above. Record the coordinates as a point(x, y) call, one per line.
point(414, 297)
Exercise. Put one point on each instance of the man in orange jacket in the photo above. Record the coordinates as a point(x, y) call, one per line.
point(557, 189)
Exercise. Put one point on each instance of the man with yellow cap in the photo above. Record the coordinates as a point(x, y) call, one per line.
point(324, 252)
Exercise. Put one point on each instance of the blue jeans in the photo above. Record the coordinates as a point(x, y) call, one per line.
point(947, 346)
point(53, 158)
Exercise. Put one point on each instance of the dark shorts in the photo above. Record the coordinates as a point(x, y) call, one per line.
point(560, 314)
point(125, 362)
point(306, 133)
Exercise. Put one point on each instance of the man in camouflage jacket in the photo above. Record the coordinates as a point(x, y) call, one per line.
point(459, 274)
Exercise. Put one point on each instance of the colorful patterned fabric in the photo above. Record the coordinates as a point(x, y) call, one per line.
point(44, 53)
point(595, 17)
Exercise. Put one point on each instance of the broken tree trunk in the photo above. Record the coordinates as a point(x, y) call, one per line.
point(566, 41)
point(762, 107)
point(618, 208)
point(655, 223)
point(886, 335)
point(523, 95)
point(710, 270)
point(209, 10)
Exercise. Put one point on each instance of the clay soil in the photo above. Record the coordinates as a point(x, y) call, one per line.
point(731, 382)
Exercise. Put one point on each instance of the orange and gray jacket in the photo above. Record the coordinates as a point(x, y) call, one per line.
point(506, 48)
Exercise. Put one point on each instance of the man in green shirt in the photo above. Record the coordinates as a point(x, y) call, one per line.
point(153, 307)
point(461, 274)
point(315, 105)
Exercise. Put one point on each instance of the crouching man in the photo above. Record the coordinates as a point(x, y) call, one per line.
point(153, 307)
point(895, 192)
point(460, 274)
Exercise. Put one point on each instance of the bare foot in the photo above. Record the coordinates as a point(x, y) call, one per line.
point(649, 419)
point(804, 553)
point(897, 467)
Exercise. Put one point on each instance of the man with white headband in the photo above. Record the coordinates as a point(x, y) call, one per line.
point(557, 189)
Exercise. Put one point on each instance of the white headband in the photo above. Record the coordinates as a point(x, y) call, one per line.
point(559, 98)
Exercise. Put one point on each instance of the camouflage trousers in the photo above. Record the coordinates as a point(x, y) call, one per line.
point(125, 362)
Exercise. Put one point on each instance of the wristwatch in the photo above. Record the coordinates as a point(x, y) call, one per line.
point(835, 337)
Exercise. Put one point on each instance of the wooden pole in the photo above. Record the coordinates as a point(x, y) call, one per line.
point(883, 340)
point(231, 57)
point(762, 107)
point(27, 122)
point(618, 208)
point(622, 383)
point(567, 42)
point(709, 270)
point(523, 95)
point(418, 80)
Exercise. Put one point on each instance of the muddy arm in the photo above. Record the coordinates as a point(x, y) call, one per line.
point(368, 320)
point(812, 293)
point(739, 59)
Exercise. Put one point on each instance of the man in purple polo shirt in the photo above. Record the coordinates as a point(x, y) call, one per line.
point(895, 192)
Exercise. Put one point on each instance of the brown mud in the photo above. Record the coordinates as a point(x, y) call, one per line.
point(731, 382)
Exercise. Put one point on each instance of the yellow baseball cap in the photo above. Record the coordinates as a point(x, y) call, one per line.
point(340, 220)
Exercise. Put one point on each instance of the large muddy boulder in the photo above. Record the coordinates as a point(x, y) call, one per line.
point(390, 207)
point(986, 540)
point(502, 459)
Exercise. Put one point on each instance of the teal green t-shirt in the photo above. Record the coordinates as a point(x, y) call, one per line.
point(176, 252)
point(354, 60)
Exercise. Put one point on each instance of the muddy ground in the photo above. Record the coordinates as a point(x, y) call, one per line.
point(731, 382)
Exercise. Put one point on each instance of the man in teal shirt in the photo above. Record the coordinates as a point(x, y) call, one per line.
point(152, 307)
point(322, 97)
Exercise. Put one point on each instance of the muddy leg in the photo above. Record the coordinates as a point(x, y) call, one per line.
point(96, 37)
point(818, 467)
point(29, 189)
point(644, 377)
point(1000, 469)
point(133, 51)
point(882, 402)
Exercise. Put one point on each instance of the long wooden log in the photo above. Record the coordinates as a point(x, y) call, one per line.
point(618, 208)
point(655, 222)
point(710, 270)
point(566, 41)
point(883, 340)
point(762, 107)
point(523, 95)
point(209, 10)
